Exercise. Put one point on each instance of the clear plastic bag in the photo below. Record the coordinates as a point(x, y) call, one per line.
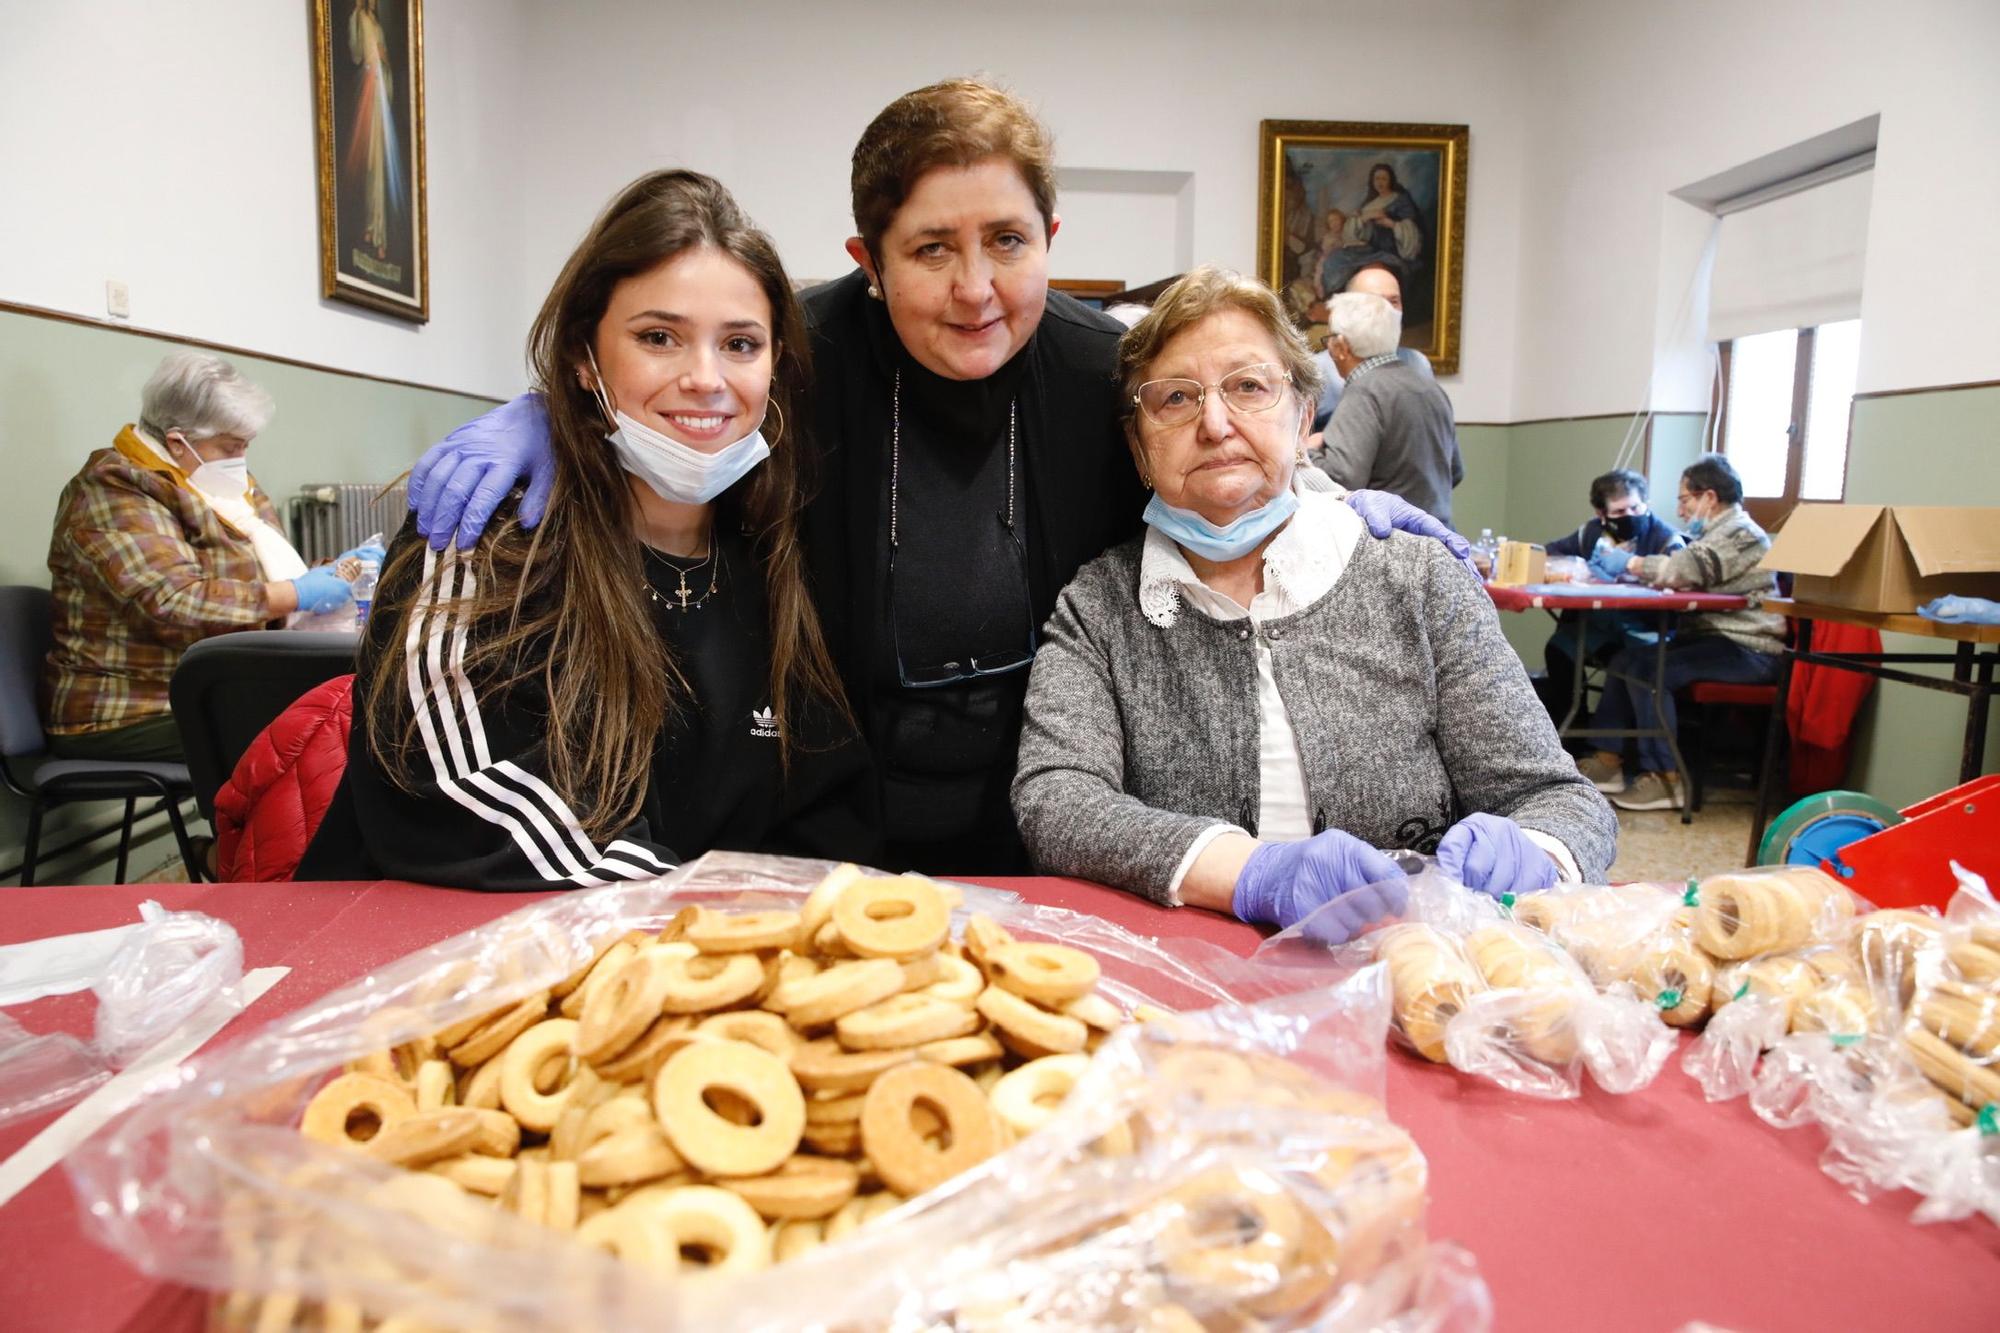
point(1476, 989)
point(210, 1182)
point(164, 971)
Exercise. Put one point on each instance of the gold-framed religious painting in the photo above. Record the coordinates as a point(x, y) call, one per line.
point(368, 123)
point(1335, 197)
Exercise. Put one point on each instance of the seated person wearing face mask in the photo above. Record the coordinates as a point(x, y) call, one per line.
point(1723, 553)
point(160, 541)
point(642, 678)
point(1623, 523)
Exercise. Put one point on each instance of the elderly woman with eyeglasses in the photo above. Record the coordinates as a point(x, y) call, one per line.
point(1248, 706)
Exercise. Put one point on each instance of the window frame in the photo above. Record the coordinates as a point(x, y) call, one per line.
point(1770, 512)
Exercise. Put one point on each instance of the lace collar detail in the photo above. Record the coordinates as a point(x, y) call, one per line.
point(1301, 564)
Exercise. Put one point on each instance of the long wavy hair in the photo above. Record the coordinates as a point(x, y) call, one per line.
point(564, 605)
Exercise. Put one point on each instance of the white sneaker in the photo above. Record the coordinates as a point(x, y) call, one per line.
point(1650, 791)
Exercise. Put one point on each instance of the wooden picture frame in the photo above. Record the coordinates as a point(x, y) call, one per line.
point(1091, 291)
point(368, 128)
point(1325, 209)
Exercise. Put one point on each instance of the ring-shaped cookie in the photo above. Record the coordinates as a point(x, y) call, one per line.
point(743, 932)
point(758, 1027)
point(840, 989)
point(423, 1137)
point(804, 1187)
point(630, 1156)
point(355, 1108)
point(1049, 974)
point(1053, 1034)
point(960, 984)
point(961, 1051)
point(904, 1020)
point(1228, 1235)
point(906, 1160)
point(1030, 1095)
point(706, 1139)
point(618, 1012)
point(704, 982)
point(496, 1034)
point(641, 1060)
point(702, 1217)
point(823, 1065)
point(982, 936)
point(892, 918)
point(538, 1074)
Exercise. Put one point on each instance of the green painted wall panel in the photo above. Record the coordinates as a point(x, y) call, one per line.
point(66, 388)
point(1922, 448)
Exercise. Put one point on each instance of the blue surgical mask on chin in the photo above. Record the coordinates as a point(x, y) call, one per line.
point(1192, 532)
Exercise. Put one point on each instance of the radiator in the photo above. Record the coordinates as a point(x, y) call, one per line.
point(327, 518)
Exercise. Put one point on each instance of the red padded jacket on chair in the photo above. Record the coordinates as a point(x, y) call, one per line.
point(1821, 708)
point(272, 804)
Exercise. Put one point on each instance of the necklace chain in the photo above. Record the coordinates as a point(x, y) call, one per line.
point(896, 455)
point(683, 598)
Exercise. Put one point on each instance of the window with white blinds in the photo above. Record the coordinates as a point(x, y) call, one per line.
point(1792, 263)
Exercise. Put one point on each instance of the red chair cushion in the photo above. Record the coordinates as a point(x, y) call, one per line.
point(1727, 692)
point(271, 806)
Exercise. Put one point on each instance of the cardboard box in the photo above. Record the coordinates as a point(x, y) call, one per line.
point(1519, 563)
point(1887, 557)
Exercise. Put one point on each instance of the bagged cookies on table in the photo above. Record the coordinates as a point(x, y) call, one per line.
point(1475, 988)
point(623, 1108)
point(1912, 1099)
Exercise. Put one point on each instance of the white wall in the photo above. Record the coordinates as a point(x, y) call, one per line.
point(1636, 100)
point(171, 146)
point(771, 95)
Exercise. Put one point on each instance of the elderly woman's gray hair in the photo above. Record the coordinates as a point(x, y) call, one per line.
point(1198, 294)
point(202, 396)
point(1370, 324)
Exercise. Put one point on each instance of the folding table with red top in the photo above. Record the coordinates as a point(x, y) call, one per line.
point(1638, 1213)
point(1621, 599)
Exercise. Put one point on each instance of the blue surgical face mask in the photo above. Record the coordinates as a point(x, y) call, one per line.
point(1194, 533)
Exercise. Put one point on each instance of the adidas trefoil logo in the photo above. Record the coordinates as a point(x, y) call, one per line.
point(763, 722)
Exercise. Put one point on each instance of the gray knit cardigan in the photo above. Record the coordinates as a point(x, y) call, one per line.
point(1410, 710)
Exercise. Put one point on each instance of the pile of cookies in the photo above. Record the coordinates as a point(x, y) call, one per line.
point(741, 1087)
point(1951, 1029)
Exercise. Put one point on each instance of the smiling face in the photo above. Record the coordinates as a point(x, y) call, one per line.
point(964, 267)
point(1223, 464)
point(686, 347)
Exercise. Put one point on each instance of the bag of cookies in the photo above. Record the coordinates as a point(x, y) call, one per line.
point(1909, 1097)
point(1474, 988)
point(934, 1106)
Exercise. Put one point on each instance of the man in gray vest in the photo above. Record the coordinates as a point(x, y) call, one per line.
point(1393, 429)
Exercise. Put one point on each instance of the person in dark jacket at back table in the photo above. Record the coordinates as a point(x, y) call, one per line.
point(1621, 521)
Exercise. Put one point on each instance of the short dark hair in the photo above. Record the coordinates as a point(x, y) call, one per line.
point(1712, 472)
point(1620, 481)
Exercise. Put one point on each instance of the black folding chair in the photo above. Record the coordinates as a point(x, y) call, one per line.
point(229, 688)
point(26, 635)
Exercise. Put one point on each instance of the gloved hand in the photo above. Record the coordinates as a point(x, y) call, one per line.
point(365, 551)
point(1384, 513)
point(321, 590)
point(1283, 882)
point(1490, 853)
point(1347, 916)
point(1608, 562)
point(458, 483)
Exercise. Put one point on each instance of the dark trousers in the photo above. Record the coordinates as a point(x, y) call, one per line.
point(157, 740)
point(1706, 657)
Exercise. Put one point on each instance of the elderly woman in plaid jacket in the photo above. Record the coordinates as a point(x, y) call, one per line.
point(161, 540)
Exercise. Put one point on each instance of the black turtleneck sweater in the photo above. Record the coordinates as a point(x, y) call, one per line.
point(962, 588)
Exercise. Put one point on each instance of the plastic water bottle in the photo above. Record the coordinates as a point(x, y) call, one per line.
point(364, 591)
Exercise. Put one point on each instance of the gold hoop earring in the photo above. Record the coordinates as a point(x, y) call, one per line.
point(779, 408)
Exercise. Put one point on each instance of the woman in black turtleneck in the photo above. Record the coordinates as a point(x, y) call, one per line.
point(968, 427)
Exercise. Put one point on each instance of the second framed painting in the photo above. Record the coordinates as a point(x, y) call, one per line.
point(1335, 197)
point(368, 124)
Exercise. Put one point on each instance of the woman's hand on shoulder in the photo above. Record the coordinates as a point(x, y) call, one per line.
point(1385, 512)
point(460, 481)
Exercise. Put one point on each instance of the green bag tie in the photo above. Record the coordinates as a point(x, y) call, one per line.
point(1741, 991)
point(1692, 898)
point(1842, 1040)
point(1669, 1000)
point(1507, 903)
point(1989, 1118)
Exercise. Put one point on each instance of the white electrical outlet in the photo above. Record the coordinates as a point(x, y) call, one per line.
point(117, 299)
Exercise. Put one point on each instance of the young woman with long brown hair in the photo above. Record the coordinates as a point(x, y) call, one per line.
point(642, 676)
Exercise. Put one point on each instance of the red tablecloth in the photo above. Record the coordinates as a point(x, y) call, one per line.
point(1632, 1213)
point(1609, 597)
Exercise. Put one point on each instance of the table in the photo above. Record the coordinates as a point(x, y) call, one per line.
point(1589, 598)
point(1971, 677)
point(1633, 1213)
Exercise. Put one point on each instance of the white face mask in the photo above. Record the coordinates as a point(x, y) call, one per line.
point(674, 470)
point(223, 478)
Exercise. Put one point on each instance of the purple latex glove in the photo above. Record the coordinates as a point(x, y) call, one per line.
point(1355, 911)
point(1384, 513)
point(1283, 882)
point(1491, 854)
point(457, 484)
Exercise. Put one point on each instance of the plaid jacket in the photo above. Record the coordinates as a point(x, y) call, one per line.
point(140, 567)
